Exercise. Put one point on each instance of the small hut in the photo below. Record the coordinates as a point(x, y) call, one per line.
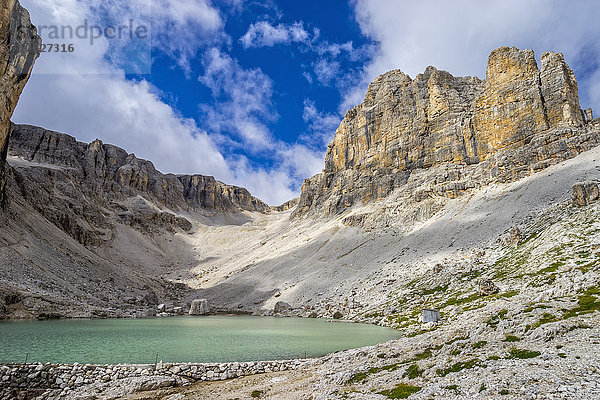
point(431, 315)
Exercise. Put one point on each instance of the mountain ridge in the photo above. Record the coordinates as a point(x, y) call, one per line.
point(177, 238)
point(406, 126)
point(122, 170)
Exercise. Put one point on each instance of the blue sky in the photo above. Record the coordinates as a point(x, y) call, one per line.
point(251, 92)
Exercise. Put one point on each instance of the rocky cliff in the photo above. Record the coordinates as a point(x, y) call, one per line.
point(19, 48)
point(440, 135)
point(76, 183)
point(207, 193)
point(95, 231)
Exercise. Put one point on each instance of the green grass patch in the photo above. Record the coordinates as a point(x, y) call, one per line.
point(546, 319)
point(562, 355)
point(459, 301)
point(422, 356)
point(479, 344)
point(256, 394)
point(584, 254)
point(552, 268)
point(586, 304)
point(585, 268)
point(529, 238)
point(504, 392)
point(412, 372)
point(495, 319)
point(459, 366)
point(509, 294)
point(441, 288)
point(508, 265)
point(456, 339)
point(362, 376)
point(522, 354)
point(358, 378)
point(511, 338)
point(592, 290)
point(402, 391)
point(375, 314)
point(532, 307)
point(453, 388)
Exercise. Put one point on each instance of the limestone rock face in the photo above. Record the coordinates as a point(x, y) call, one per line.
point(75, 184)
point(487, 287)
point(199, 307)
point(511, 106)
point(440, 135)
point(288, 205)
point(282, 307)
point(19, 49)
point(559, 90)
point(585, 193)
point(206, 192)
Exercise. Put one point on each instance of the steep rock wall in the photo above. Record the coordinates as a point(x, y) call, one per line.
point(19, 48)
point(438, 134)
point(85, 189)
point(205, 192)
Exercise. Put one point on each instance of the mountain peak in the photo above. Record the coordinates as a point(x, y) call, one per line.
point(496, 129)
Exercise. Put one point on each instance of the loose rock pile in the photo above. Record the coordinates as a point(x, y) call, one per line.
point(48, 381)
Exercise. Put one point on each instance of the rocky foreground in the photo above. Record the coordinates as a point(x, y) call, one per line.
point(520, 319)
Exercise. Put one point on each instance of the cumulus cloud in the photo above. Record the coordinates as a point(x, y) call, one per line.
point(264, 34)
point(458, 36)
point(93, 98)
point(241, 100)
point(242, 106)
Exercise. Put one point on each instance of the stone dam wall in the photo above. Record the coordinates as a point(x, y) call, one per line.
point(50, 381)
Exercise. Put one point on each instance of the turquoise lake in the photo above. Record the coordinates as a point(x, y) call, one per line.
point(181, 339)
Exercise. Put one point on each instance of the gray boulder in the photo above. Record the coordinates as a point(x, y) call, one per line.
point(281, 307)
point(487, 287)
point(585, 193)
point(199, 307)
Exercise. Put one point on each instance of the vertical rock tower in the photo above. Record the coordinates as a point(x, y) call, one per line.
point(19, 48)
point(462, 131)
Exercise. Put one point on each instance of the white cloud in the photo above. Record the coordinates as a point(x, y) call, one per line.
point(327, 67)
point(242, 106)
point(181, 27)
point(184, 12)
point(334, 49)
point(458, 36)
point(241, 100)
point(263, 34)
point(326, 70)
point(322, 126)
point(92, 98)
point(124, 113)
